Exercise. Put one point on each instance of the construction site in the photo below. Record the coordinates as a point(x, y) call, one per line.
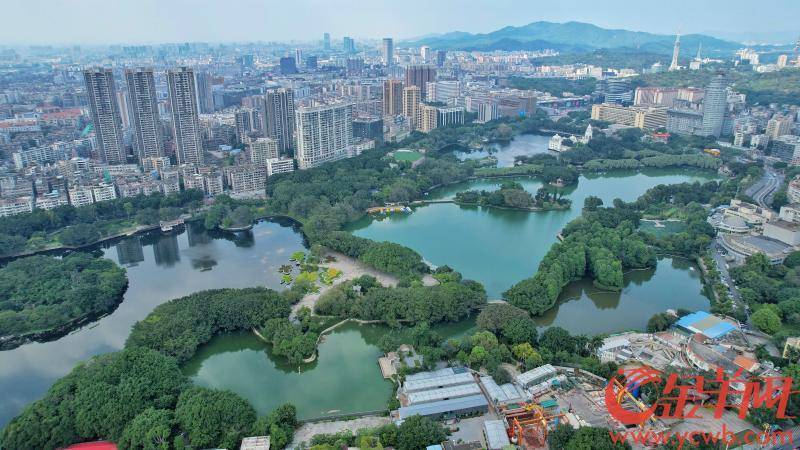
point(520, 414)
point(574, 398)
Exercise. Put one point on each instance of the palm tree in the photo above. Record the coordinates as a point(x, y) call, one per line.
point(595, 343)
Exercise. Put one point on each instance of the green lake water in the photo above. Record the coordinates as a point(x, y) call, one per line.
point(345, 377)
point(500, 247)
point(495, 247)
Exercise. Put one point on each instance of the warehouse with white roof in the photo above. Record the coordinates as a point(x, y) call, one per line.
point(449, 392)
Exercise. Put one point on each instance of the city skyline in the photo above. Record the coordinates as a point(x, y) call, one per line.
point(93, 22)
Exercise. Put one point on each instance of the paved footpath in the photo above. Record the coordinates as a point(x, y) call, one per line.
point(309, 430)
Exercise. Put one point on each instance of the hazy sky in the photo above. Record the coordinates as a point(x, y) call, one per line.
point(153, 21)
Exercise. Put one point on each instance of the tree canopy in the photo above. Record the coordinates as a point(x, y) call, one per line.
point(176, 328)
point(448, 301)
point(39, 294)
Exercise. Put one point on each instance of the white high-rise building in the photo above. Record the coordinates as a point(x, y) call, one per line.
point(144, 112)
point(425, 52)
point(450, 116)
point(205, 96)
point(263, 149)
point(106, 119)
point(442, 91)
point(411, 100)
point(185, 116)
point(279, 165)
point(324, 133)
point(714, 103)
point(277, 116)
point(388, 52)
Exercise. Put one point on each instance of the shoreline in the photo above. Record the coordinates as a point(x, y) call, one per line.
point(41, 336)
point(514, 208)
point(146, 229)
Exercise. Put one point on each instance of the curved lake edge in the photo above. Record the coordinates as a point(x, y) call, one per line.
point(143, 230)
point(160, 267)
point(513, 208)
point(100, 342)
point(57, 332)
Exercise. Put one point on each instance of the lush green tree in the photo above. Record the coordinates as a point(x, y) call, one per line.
point(279, 424)
point(239, 217)
point(178, 327)
point(591, 203)
point(10, 244)
point(519, 329)
point(560, 436)
point(766, 320)
point(98, 399)
point(594, 438)
point(416, 304)
point(41, 294)
point(96, 216)
point(214, 216)
point(525, 352)
point(418, 432)
point(660, 322)
point(288, 340)
point(80, 234)
point(149, 430)
point(211, 418)
point(514, 324)
point(792, 260)
point(556, 339)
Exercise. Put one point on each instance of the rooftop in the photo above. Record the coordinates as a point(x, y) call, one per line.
point(433, 395)
point(707, 324)
point(506, 393)
point(496, 436)
point(767, 245)
point(435, 373)
point(97, 445)
point(443, 406)
point(786, 225)
point(536, 375)
point(437, 382)
point(255, 443)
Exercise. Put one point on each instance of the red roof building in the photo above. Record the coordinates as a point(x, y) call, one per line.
point(96, 445)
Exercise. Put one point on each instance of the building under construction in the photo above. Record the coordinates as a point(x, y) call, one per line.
point(528, 424)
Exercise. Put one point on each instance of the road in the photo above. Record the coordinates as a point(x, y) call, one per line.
point(718, 253)
point(763, 190)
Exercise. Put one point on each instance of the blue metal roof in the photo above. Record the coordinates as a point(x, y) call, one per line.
point(688, 320)
point(720, 329)
point(713, 327)
point(443, 406)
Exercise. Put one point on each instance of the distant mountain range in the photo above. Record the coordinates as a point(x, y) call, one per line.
point(573, 37)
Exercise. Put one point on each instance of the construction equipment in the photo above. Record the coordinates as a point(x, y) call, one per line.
point(529, 424)
point(622, 393)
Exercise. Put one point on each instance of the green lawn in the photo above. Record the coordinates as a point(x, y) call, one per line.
point(407, 155)
point(669, 228)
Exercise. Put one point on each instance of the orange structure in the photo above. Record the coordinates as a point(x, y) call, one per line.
point(528, 425)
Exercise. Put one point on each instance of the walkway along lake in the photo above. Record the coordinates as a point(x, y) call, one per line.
point(496, 247)
point(160, 267)
point(500, 247)
point(344, 378)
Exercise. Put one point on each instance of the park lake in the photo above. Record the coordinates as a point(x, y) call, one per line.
point(495, 247)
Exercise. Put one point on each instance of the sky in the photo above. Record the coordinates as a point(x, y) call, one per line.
point(28, 22)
